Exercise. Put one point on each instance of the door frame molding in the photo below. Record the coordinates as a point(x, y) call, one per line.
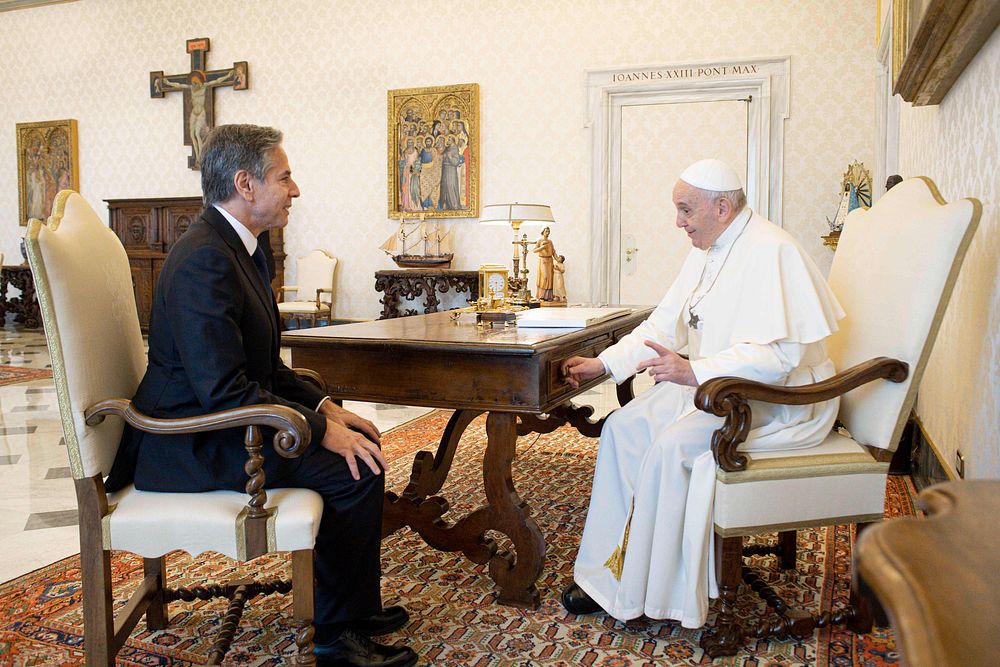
point(886, 114)
point(608, 89)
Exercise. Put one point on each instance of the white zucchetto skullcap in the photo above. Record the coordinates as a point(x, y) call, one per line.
point(714, 175)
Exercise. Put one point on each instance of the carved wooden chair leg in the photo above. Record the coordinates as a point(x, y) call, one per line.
point(156, 613)
point(95, 574)
point(725, 638)
point(303, 593)
point(786, 539)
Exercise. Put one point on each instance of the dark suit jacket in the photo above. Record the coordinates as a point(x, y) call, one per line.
point(213, 345)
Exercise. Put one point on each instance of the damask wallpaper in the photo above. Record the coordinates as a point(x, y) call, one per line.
point(320, 71)
point(957, 144)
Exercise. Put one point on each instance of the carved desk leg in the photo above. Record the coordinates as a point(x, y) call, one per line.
point(515, 574)
point(413, 507)
point(430, 471)
point(577, 415)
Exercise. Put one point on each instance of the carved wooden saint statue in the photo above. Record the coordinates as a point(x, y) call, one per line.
point(198, 87)
point(559, 278)
point(543, 279)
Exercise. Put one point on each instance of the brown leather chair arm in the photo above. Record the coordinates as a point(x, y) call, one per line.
point(729, 397)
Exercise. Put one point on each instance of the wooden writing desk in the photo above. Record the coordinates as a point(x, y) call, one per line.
point(512, 374)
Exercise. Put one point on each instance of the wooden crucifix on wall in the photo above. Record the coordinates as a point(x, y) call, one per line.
point(198, 87)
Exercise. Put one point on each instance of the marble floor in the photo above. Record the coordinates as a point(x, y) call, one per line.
point(38, 517)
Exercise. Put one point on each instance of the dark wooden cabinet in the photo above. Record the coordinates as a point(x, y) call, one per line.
point(148, 228)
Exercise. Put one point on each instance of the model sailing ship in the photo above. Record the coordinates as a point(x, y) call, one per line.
point(419, 244)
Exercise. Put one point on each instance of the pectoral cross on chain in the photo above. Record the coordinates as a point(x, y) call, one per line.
point(693, 320)
point(198, 87)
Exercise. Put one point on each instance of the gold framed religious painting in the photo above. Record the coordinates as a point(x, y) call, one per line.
point(433, 166)
point(47, 162)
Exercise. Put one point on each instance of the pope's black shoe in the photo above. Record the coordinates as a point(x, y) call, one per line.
point(576, 600)
point(353, 650)
point(384, 622)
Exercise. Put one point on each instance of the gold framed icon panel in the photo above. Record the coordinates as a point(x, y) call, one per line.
point(440, 178)
point(48, 160)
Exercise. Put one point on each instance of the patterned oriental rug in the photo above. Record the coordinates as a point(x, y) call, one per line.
point(454, 621)
point(14, 374)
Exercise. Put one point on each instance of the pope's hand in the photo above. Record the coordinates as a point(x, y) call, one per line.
point(668, 366)
point(353, 446)
point(581, 369)
point(346, 418)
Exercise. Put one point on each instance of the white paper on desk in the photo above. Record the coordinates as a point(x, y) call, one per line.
point(566, 318)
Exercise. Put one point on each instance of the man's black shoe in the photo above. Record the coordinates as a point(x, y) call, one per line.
point(353, 650)
point(384, 622)
point(576, 601)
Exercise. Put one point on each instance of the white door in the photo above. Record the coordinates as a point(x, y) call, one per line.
point(658, 141)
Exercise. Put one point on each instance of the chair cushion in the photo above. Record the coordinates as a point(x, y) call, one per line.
point(299, 307)
point(836, 482)
point(151, 524)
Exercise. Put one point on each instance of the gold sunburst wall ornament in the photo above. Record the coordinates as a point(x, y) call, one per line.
point(858, 176)
point(855, 192)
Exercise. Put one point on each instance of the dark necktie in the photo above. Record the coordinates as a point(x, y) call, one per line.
point(261, 264)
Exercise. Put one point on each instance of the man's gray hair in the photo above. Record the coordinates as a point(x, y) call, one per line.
point(233, 148)
point(736, 198)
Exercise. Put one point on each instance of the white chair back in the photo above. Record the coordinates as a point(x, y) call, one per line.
point(893, 273)
point(84, 288)
point(315, 271)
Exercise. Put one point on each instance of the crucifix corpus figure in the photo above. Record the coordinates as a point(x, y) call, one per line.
point(197, 86)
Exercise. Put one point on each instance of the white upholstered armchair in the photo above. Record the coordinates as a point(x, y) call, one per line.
point(314, 275)
point(84, 288)
point(893, 273)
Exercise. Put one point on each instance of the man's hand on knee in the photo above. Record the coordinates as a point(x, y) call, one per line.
point(668, 366)
point(352, 445)
point(581, 369)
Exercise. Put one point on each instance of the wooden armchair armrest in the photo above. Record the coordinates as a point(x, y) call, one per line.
point(729, 397)
point(323, 290)
point(312, 377)
point(291, 440)
point(286, 288)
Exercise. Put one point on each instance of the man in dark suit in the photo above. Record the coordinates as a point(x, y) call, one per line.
point(214, 345)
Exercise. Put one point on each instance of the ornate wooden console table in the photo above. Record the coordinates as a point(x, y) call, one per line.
point(512, 375)
point(400, 284)
point(25, 306)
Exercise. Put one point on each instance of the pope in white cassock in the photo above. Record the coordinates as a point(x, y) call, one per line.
point(748, 303)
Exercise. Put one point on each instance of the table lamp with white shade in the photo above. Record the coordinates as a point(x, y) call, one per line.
point(516, 215)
